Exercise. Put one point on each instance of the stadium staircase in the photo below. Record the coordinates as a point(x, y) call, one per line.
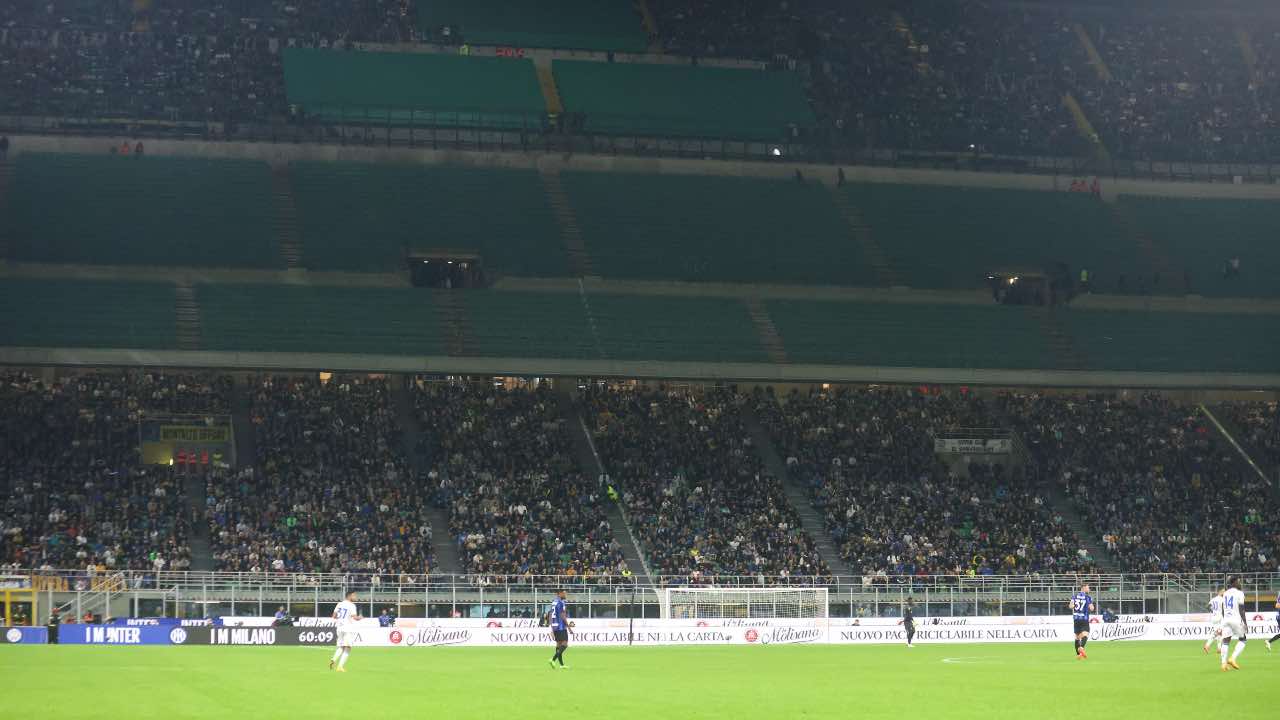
point(810, 520)
point(1100, 155)
point(590, 463)
point(1160, 270)
point(448, 559)
point(197, 492)
point(1058, 339)
point(570, 231)
point(286, 217)
point(861, 231)
point(650, 26)
point(6, 182)
point(242, 426)
point(1095, 57)
point(547, 82)
point(1089, 539)
point(768, 332)
point(453, 320)
point(187, 313)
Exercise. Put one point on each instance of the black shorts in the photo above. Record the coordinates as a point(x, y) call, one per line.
point(561, 636)
point(1082, 626)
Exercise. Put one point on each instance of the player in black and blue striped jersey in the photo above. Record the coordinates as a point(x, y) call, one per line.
point(1081, 606)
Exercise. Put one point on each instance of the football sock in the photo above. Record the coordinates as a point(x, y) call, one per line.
point(336, 654)
point(560, 655)
point(1239, 649)
point(1084, 641)
point(1226, 644)
point(342, 663)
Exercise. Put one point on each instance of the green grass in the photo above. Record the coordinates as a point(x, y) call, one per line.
point(1169, 680)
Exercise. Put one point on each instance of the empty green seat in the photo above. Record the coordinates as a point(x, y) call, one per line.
point(570, 24)
point(683, 100)
point(366, 217)
point(910, 335)
point(163, 211)
point(414, 88)
point(1176, 342)
point(1200, 236)
point(285, 318)
point(706, 228)
point(652, 327)
point(56, 313)
point(527, 325)
point(952, 237)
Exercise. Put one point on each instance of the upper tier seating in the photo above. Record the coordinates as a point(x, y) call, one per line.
point(414, 89)
point(570, 24)
point(952, 237)
point(1202, 236)
point(710, 228)
point(365, 217)
point(142, 210)
point(683, 100)
point(86, 314)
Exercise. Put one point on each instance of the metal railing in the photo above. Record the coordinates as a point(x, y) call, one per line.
point(205, 594)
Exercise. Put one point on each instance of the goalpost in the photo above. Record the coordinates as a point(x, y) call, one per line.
point(712, 603)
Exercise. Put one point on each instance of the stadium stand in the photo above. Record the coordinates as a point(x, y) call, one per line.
point(165, 211)
point(319, 319)
point(86, 314)
point(693, 488)
point(1163, 493)
point(366, 217)
point(675, 328)
point(330, 491)
point(1202, 237)
point(1175, 342)
point(1259, 427)
point(911, 335)
point(501, 460)
point(700, 228)
point(76, 495)
point(601, 25)
point(953, 237)
point(526, 324)
point(414, 89)
point(683, 101)
point(866, 457)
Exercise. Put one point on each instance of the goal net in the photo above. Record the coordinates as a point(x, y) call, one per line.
point(724, 603)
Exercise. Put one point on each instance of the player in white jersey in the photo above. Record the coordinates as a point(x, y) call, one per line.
point(1233, 623)
point(1215, 619)
point(345, 615)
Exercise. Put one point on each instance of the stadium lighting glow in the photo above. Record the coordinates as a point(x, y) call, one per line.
point(777, 152)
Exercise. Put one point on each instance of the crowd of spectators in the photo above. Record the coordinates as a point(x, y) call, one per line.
point(926, 75)
point(503, 464)
point(1259, 427)
point(866, 456)
point(75, 494)
point(1159, 489)
point(331, 491)
point(695, 491)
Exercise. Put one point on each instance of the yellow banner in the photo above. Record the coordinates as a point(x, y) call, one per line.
point(194, 433)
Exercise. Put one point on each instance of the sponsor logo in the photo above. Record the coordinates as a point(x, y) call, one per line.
point(430, 636)
point(1118, 631)
point(784, 634)
point(142, 621)
point(396, 636)
point(751, 635)
point(177, 636)
point(242, 636)
point(315, 622)
point(14, 635)
point(100, 634)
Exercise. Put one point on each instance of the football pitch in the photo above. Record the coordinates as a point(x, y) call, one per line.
point(1168, 680)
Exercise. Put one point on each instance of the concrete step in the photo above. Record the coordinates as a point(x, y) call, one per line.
point(197, 493)
point(767, 331)
point(591, 465)
point(241, 425)
point(448, 558)
point(797, 496)
point(187, 316)
point(1089, 538)
point(570, 232)
point(286, 218)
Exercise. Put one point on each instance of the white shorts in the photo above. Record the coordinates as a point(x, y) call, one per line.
point(343, 637)
point(1233, 628)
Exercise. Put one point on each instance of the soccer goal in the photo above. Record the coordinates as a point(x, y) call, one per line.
point(723, 603)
